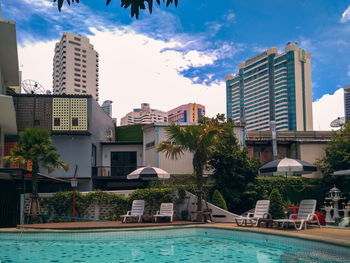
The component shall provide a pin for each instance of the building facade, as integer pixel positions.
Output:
(190, 112)
(347, 102)
(75, 66)
(144, 115)
(9, 77)
(77, 125)
(272, 86)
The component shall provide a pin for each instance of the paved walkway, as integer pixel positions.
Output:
(328, 235)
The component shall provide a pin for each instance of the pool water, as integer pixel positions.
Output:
(174, 245)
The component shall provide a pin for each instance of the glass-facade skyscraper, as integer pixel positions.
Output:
(272, 86)
(347, 102)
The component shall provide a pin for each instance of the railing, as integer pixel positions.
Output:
(113, 171)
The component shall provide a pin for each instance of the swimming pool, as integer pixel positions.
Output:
(170, 245)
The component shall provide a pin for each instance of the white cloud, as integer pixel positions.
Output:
(135, 68)
(328, 108)
(346, 15)
(35, 60)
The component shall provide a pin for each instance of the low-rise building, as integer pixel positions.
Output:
(188, 113)
(144, 115)
(77, 124)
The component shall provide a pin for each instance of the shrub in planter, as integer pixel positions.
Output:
(218, 200)
(276, 204)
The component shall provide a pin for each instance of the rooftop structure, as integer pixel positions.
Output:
(272, 86)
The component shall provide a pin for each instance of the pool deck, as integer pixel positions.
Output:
(326, 235)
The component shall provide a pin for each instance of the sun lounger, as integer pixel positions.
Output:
(137, 208)
(261, 212)
(166, 210)
(306, 215)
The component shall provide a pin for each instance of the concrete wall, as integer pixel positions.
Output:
(107, 149)
(310, 152)
(157, 134)
(100, 124)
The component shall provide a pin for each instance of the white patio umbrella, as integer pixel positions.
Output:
(148, 173)
(287, 166)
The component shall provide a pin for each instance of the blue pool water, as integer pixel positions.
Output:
(173, 245)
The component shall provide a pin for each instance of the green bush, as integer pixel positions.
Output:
(219, 200)
(276, 205)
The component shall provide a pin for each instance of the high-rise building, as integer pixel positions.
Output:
(145, 115)
(107, 107)
(75, 66)
(191, 112)
(347, 102)
(272, 86)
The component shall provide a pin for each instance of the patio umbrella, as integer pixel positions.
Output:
(149, 173)
(287, 166)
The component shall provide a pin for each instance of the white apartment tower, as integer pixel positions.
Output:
(144, 115)
(75, 66)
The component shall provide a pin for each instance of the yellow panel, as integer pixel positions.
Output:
(60, 110)
(78, 110)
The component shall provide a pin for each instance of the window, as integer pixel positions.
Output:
(77, 54)
(77, 64)
(84, 61)
(77, 59)
(78, 80)
(84, 56)
(56, 122)
(77, 49)
(84, 66)
(77, 38)
(77, 85)
(77, 75)
(84, 51)
(75, 121)
(76, 69)
(150, 145)
(77, 90)
(84, 71)
(73, 43)
(36, 122)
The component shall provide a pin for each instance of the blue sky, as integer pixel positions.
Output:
(201, 41)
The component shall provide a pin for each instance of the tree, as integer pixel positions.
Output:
(135, 5)
(276, 204)
(233, 169)
(198, 139)
(337, 153)
(218, 200)
(35, 145)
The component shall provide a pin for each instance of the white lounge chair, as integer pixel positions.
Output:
(137, 209)
(166, 210)
(306, 214)
(261, 212)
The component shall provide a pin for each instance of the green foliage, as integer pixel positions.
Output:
(61, 203)
(337, 153)
(276, 204)
(135, 5)
(218, 200)
(200, 140)
(233, 169)
(35, 145)
(129, 133)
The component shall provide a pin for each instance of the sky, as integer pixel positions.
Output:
(180, 55)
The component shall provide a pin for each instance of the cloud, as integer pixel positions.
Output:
(136, 68)
(229, 17)
(346, 15)
(328, 108)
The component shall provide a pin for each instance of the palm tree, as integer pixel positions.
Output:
(198, 139)
(35, 146)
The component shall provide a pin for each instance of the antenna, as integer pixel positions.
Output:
(338, 122)
(32, 87)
